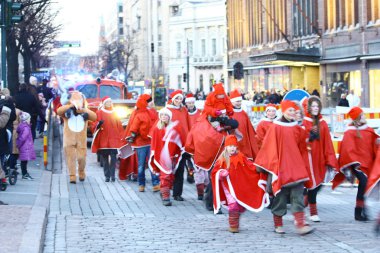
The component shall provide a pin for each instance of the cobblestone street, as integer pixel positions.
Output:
(95, 216)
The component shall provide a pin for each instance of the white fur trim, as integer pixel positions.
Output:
(191, 99)
(107, 99)
(270, 107)
(217, 194)
(106, 111)
(177, 96)
(238, 110)
(287, 124)
(236, 99)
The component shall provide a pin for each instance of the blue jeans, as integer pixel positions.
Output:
(142, 155)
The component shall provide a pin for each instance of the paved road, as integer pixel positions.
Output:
(95, 216)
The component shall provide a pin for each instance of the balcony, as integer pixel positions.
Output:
(207, 61)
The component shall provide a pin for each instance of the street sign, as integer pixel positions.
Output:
(66, 44)
(296, 94)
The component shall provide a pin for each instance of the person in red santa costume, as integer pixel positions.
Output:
(207, 147)
(137, 135)
(219, 109)
(194, 114)
(323, 162)
(237, 184)
(356, 157)
(166, 151)
(181, 115)
(248, 145)
(265, 123)
(128, 167)
(283, 155)
(107, 138)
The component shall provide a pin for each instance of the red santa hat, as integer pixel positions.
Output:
(106, 99)
(286, 104)
(141, 103)
(235, 96)
(165, 111)
(175, 94)
(219, 89)
(147, 97)
(231, 140)
(190, 98)
(355, 112)
(270, 106)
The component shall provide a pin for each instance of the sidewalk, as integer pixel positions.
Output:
(24, 219)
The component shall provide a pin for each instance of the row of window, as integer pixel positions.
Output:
(203, 47)
(255, 22)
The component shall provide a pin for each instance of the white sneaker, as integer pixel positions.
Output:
(315, 218)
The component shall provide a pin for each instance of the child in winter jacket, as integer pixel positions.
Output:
(24, 144)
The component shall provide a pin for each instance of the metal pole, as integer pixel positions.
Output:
(187, 66)
(3, 44)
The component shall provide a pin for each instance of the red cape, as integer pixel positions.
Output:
(322, 154)
(166, 148)
(261, 130)
(243, 183)
(110, 133)
(181, 115)
(248, 145)
(356, 151)
(373, 183)
(193, 116)
(284, 155)
(204, 143)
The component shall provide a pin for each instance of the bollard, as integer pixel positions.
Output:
(45, 151)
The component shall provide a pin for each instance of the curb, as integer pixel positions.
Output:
(34, 234)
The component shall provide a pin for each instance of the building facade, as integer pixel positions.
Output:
(332, 46)
(197, 31)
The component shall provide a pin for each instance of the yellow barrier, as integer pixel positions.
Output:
(45, 151)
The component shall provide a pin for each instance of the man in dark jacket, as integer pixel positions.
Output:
(48, 94)
(343, 101)
(25, 101)
(4, 119)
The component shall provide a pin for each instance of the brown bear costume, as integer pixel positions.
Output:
(75, 116)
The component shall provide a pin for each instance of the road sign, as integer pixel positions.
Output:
(296, 94)
(66, 44)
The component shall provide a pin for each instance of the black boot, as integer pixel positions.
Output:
(359, 214)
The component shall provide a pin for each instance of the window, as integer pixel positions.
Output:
(373, 10)
(159, 37)
(160, 61)
(120, 20)
(203, 49)
(175, 10)
(179, 80)
(341, 14)
(212, 80)
(178, 49)
(88, 90)
(121, 31)
(201, 82)
(305, 17)
(190, 47)
(213, 42)
(108, 90)
(120, 8)
(138, 22)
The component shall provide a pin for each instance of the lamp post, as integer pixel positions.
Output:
(187, 65)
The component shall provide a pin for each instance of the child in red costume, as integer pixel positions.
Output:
(107, 138)
(323, 162)
(357, 155)
(166, 149)
(248, 145)
(283, 155)
(219, 108)
(236, 184)
(265, 123)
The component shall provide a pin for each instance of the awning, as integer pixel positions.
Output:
(339, 60)
(370, 57)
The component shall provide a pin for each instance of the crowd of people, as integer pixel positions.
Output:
(22, 116)
(286, 159)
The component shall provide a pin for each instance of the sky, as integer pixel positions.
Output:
(81, 21)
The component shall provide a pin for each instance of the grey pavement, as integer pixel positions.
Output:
(24, 219)
(95, 216)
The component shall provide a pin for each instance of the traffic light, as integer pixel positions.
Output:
(11, 12)
(152, 47)
(184, 77)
